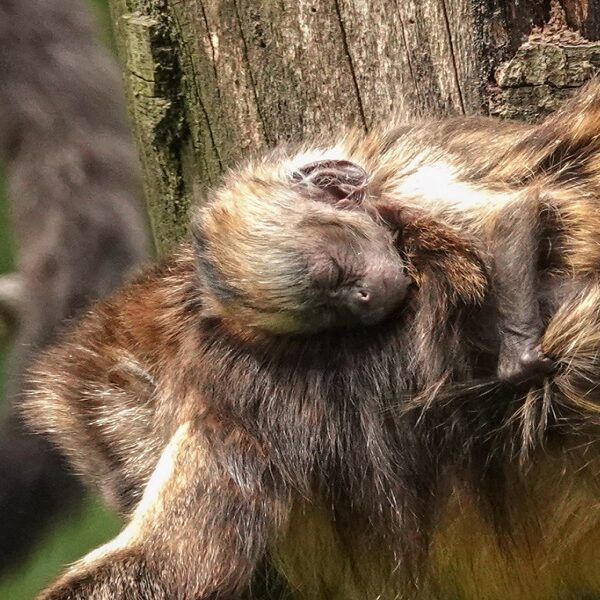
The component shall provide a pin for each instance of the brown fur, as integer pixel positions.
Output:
(378, 462)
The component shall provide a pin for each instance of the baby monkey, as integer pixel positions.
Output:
(364, 219)
(291, 247)
(325, 268)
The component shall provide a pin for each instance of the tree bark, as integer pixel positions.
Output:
(212, 81)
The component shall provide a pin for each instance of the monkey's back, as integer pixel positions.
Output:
(549, 553)
(117, 387)
(99, 393)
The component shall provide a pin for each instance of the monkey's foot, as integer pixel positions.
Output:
(523, 364)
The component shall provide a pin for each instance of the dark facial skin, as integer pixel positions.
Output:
(357, 286)
(356, 282)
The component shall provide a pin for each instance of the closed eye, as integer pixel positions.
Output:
(340, 277)
(329, 275)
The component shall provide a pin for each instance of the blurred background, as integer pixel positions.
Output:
(84, 524)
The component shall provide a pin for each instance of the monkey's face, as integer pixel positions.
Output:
(354, 275)
(274, 259)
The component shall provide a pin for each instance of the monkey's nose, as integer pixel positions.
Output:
(374, 298)
(363, 297)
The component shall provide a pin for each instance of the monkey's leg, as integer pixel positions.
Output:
(197, 532)
(515, 250)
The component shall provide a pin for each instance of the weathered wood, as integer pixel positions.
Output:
(212, 81)
(551, 62)
(153, 80)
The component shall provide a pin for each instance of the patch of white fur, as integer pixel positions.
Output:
(149, 505)
(438, 186)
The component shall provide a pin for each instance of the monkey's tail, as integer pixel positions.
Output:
(568, 140)
(575, 126)
(566, 143)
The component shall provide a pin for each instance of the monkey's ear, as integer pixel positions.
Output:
(343, 182)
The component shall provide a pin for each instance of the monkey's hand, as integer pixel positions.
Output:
(522, 360)
(196, 534)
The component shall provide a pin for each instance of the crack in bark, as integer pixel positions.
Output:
(201, 104)
(138, 76)
(250, 75)
(351, 65)
(453, 56)
(184, 45)
(408, 58)
(212, 47)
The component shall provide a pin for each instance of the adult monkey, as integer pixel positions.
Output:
(230, 445)
(73, 191)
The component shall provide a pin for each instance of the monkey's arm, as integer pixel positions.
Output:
(197, 533)
(515, 255)
(514, 249)
(437, 250)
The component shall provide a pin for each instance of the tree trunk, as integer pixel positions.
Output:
(211, 81)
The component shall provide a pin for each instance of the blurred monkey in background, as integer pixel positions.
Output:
(73, 191)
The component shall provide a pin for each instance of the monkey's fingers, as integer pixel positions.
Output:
(194, 535)
(524, 365)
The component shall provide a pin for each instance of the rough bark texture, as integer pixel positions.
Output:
(211, 81)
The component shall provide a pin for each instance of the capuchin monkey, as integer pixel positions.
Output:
(405, 176)
(310, 388)
(73, 193)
